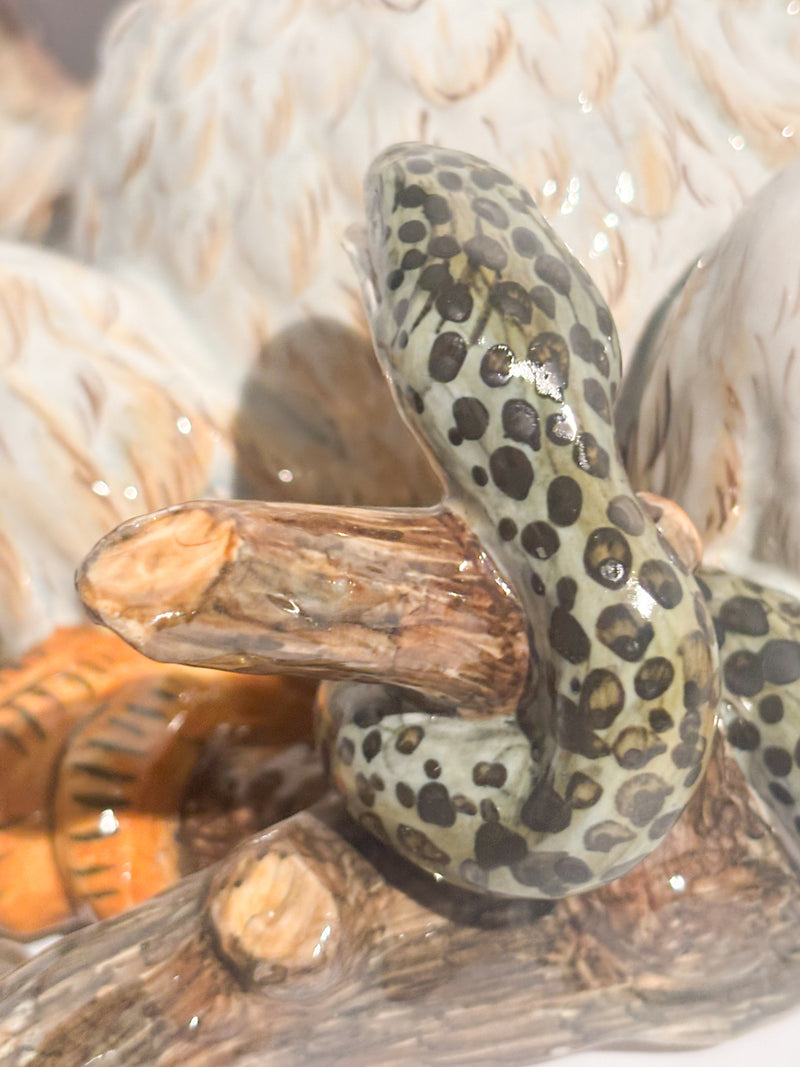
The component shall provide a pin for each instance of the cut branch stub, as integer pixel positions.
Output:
(407, 597)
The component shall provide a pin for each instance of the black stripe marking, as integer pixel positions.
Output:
(114, 746)
(13, 740)
(146, 711)
(123, 724)
(166, 694)
(101, 801)
(28, 719)
(105, 774)
(87, 872)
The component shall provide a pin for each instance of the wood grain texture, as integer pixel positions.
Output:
(404, 596)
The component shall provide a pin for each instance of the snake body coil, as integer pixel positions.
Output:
(504, 356)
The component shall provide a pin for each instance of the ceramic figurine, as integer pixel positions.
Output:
(317, 590)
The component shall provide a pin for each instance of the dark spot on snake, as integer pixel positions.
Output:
(402, 339)
(660, 720)
(626, 634)
(413, 259)
(566, 591)
(521, 423)
(479, 476)
(448, 179)
(409, 739)
(781, 793)
(625, 513)
(434, 805)
(434, 277)
(606, 835)
(377, 783)
(417, 844)
(454, 302)
(444, 246)
(602, 698)
(454, 437)
(743, 735)
(436, 209)
(604, 321)
(635, 746)
(471, 417)
(511, 471)
(415, 400)
(707, 594)
(411, 232)
(545, 811)
(526, 242)
(777, 761)
(539, 539)
(495, 846)
(394, 280)
(607, 557)
(549, 358)
(372, 822)
(367, 716)
(364, 791)
(600, 360)
(346, 751)
(544, 300)
(641, 798)
(583, 791)
(411, 196)
(581, 342)
(400, 309)
(661, 582)
(770, 709)
(496, 366)
(463, 805)
(419, 165)
(590, 456)
(742, 673)
(489, 774)
(653, 678)
(447, 356)
(780, 662)
(371, 745)
(405, 794)
(537, 585)
(484, 251)
(553, 272)
(512, 301)
(559, 429)
(432, 768)
(595, 396)
(490, 211)
(663, 824)
(573, 733)
(507, 529)
(573, 870)
(488, 810)
(564, 500)
(567, 637)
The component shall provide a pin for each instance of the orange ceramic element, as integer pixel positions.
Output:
(97, 743)
(121, 781)
(41, 699)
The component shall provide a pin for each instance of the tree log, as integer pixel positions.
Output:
(404, 596)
